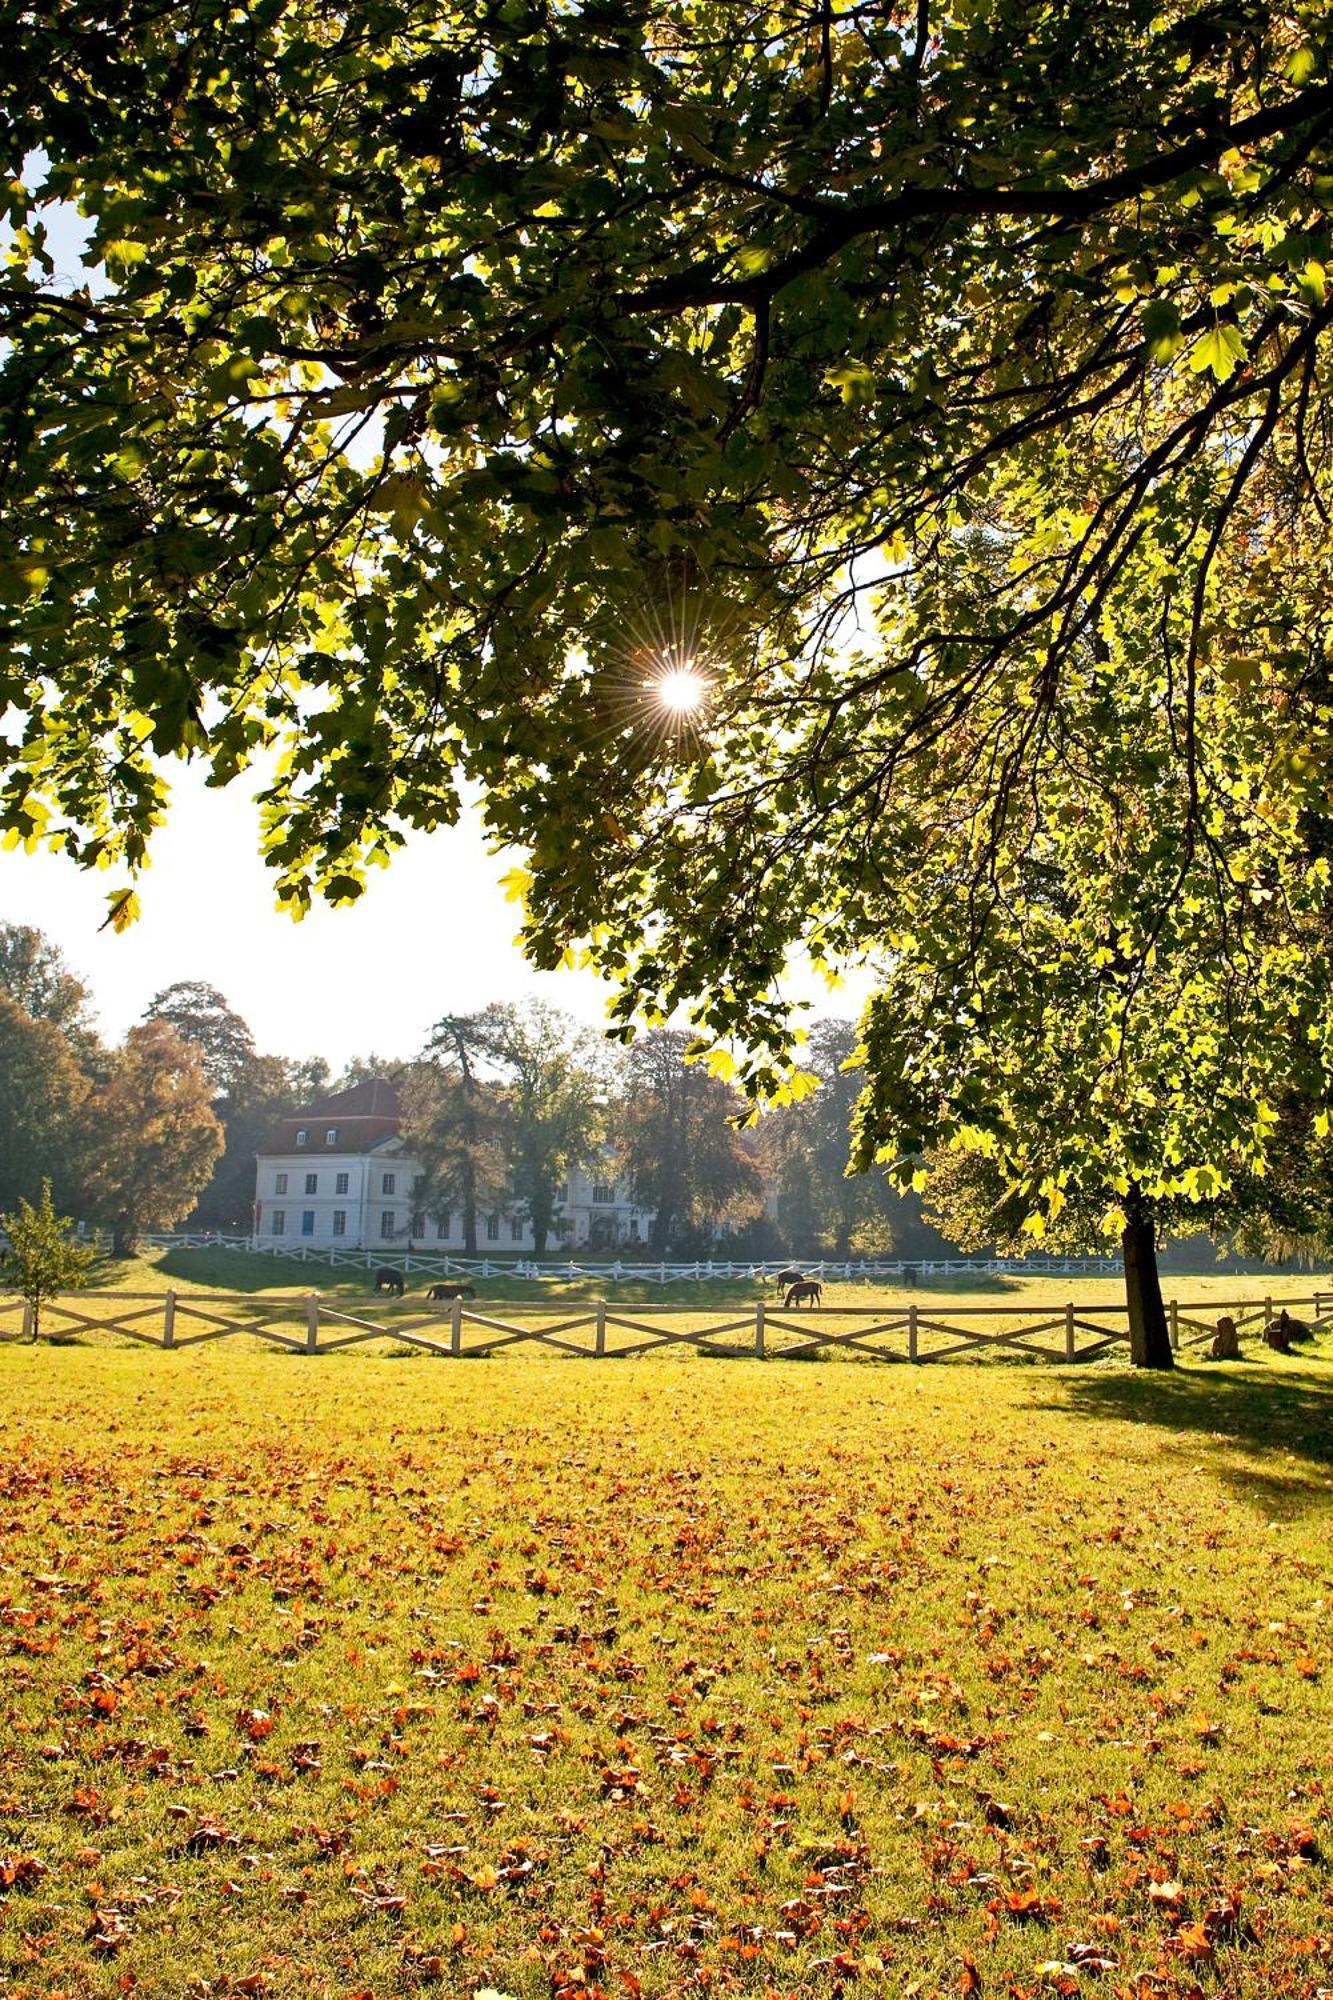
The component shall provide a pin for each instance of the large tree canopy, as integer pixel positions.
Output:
(947, 384)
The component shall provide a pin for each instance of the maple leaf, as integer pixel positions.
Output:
(1192, 1943)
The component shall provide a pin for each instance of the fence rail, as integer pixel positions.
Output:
(909, 1333)
(444, 1264)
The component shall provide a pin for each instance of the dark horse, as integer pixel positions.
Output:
(791, 1277)
(389, 1280)
(452, 1292)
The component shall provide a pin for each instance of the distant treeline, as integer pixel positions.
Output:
(498, 1106)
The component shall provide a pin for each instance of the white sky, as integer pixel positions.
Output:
(432, 934)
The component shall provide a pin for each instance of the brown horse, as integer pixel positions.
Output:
(805, 1288)
(452, 1292)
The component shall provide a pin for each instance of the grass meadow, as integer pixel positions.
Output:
(349, 1676)
(282, 1280)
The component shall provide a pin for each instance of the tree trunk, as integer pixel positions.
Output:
(1149, 1337)
(659, 1236)
(122, 1239)
(469, 1208)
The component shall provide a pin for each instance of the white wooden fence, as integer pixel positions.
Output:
(913, 1333)
(445, 1264)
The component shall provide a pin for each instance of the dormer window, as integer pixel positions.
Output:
(302, 1136)
(331, 1136)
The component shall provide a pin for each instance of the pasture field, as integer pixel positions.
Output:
(233, 1272)
(348, 1677)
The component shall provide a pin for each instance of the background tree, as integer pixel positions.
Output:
(455, 1122)
(307, 1077)
(672, 1125)
(263, 1096)
(203, 1017)
(43, 1093)
(807, 1148)
(34, 972)
(153, 1136)
(373, 1068)
(250, 1093)
(41, 1257)
(554, 1075)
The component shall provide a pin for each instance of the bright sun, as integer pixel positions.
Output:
(680, 690)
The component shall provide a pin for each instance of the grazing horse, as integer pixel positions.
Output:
(804, 1288)
(452, 1292)
(389, 1280)
(788, 1278)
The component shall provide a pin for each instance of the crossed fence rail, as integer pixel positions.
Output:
(909, 1333)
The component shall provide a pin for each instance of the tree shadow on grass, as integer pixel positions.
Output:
(1271, 1414)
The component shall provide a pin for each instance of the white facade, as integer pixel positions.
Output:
(337, 1177)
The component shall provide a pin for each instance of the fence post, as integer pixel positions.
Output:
(911, 1333)
(1174, 1310)
(599, 1342)
(29, 1317)
(169, 1320)
(312, 1323)
(759, 1331)
(1069, 1331)
(1268, 1312)
(456, 1327)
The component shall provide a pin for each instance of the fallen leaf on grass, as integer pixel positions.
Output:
(20, 1871)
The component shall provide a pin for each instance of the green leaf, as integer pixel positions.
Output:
(1312, 283)
(854, 379)
(1218, 351)
(1161, 330)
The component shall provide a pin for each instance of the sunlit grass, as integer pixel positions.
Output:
(334, 1677)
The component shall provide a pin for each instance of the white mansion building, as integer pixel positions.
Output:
(337, 1176)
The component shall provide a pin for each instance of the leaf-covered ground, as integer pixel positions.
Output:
(361, 1677)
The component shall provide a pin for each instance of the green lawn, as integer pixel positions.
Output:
(235, 1272)
(279, 1289)
(721, 1308)
(347, 1677)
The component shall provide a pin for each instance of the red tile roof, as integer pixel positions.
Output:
(362, 1118)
